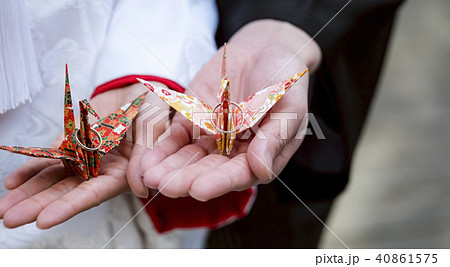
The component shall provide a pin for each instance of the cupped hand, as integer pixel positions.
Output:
(260, 54)
(43, 191)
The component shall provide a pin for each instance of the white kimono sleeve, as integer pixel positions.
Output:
(169, 39)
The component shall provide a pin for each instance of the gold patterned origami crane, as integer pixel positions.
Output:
(227, 118)
(83, 149)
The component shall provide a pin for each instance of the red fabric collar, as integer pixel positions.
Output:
(131, 79)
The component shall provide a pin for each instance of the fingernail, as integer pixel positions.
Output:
(146, 190)
(196, 198)
(268, 164)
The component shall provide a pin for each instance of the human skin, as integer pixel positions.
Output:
(259, 54)
(42, 190)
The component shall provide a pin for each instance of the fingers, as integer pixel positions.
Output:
(86, 195)
(205, 178)
(276, 140)
(178, 138)
(28, 170)
(41, 181)
(262, 151)
(232, 175)
(178, 181)
(28, 210)
(134, 176)
(188, 154)
(50, 201)
(269, 155)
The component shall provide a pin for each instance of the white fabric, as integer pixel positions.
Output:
(16, 48)
(97, 48)
(179, 40)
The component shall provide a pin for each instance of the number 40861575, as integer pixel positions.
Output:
(407, 258)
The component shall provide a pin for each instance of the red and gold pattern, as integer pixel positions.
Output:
(257, 105)
(76, 158)
(229, 118)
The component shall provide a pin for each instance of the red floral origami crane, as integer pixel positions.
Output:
(82, 149)
(227, 118)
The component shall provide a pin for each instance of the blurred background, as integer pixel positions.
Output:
(399, 191)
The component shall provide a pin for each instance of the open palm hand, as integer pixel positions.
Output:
(43, 191)
(183, 165)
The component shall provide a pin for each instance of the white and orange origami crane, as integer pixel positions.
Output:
(227, 118)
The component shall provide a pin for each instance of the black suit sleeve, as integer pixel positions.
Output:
(353, 45)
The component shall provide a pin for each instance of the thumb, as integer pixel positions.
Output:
(274, 144)
(264, 148)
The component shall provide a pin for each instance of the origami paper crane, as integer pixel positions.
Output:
(227, 118)
(83, 149)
